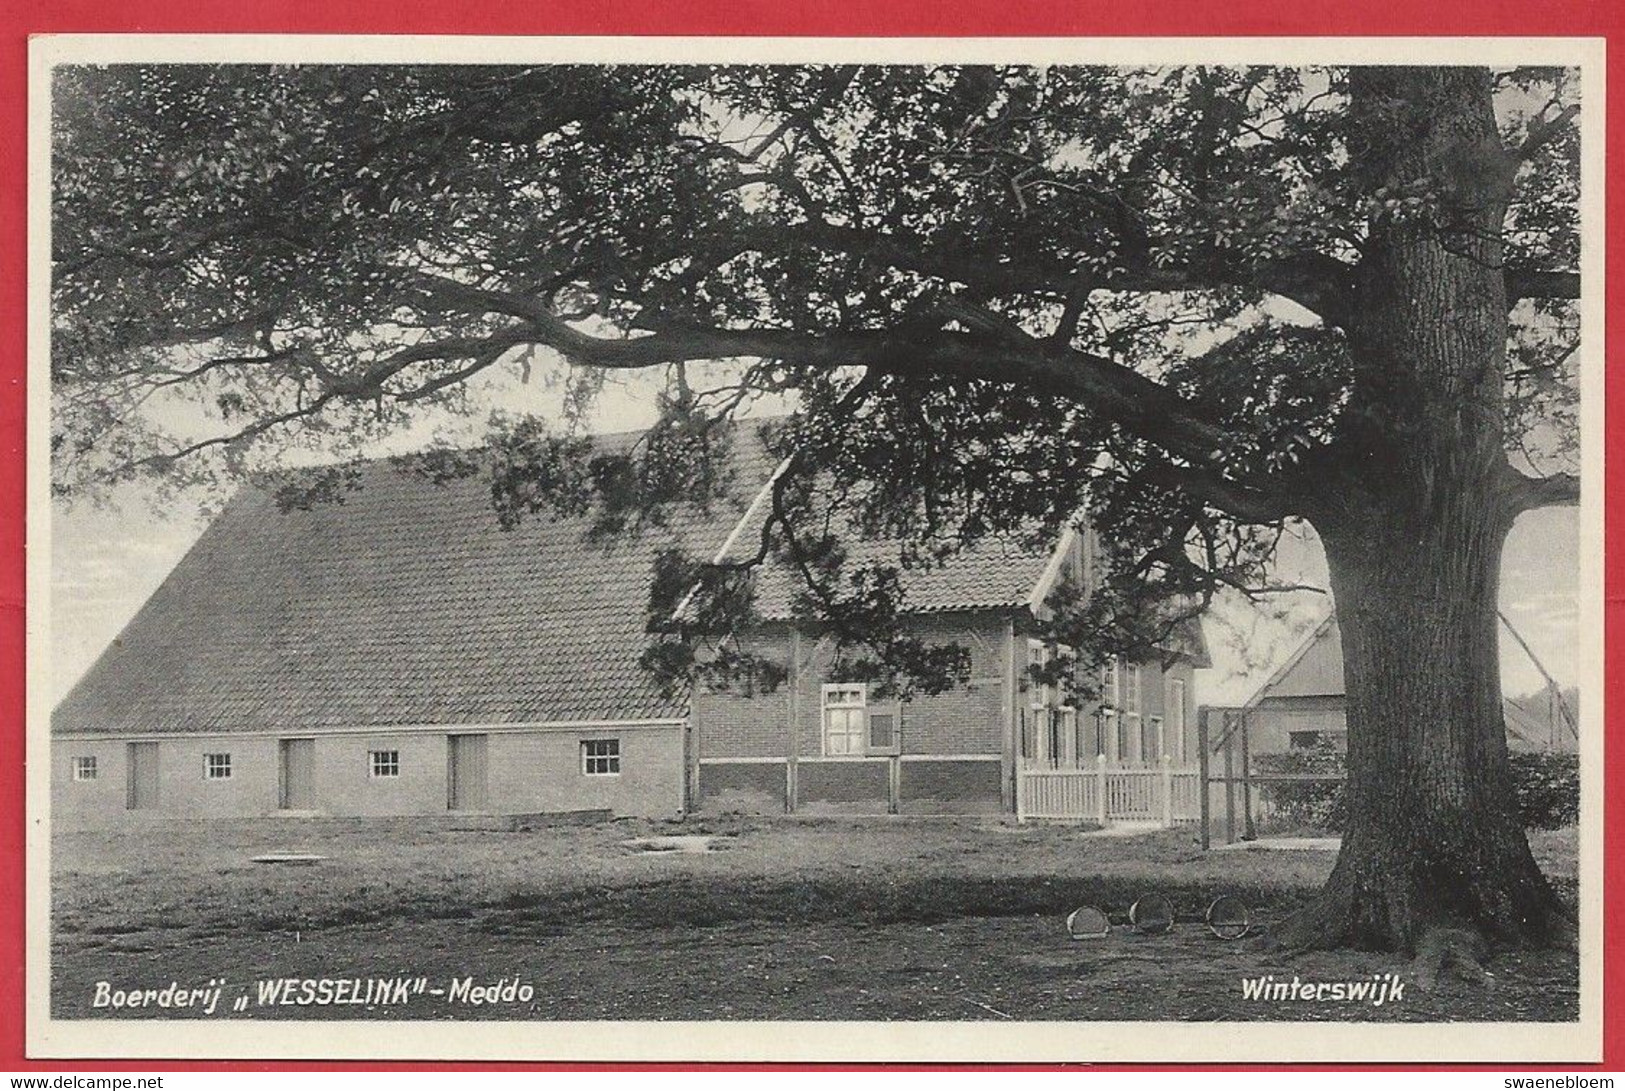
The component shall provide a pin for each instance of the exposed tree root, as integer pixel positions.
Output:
(1451, 949)
(1443, 947)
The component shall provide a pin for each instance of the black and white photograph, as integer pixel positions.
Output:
(816, 550)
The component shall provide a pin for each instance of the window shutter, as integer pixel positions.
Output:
(884, 736)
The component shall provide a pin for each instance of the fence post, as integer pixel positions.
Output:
(1167, 792)
(1250, 831)
(1100, 786)
(1229, 782)
(1021, 767)
(1204, 800)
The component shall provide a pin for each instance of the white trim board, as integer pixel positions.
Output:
(386, 729)
(853, 757)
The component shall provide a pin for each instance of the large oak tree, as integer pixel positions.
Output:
(1198, 302)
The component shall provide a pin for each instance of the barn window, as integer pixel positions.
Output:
(84, 768)
(601, 757)
(217, 767)
(1303, 740)
(845, 705)
(384, 763)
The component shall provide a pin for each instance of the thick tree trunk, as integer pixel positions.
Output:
(1413, 510)
(1432, 842)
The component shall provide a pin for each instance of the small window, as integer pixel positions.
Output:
(1303, 740)
(1066, 655)
(845, 708)
(1131, 740)
(1131, 689)
(1037, 659)
(84, 768)
(384, 763)
(217, 767)
(1174, 718)
(601, 757)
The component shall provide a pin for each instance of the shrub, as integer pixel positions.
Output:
(1547, 787)
(1304, 804)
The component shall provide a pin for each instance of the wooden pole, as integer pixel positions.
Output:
(1251, 833)
(1167, 792)
(1100, 785)
(1202, 764)
(1021, 766)
(792, 786)
(1229, 783)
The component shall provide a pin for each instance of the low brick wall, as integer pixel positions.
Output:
(951, 787)
(958, 785)
(847, 786)
(741, 788)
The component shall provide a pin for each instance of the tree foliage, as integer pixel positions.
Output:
(997, 295)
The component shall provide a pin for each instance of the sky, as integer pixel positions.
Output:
(107, 560)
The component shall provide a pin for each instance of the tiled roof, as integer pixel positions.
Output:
(994, 574)
(406, 603)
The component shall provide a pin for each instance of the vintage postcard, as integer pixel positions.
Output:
(779, 550)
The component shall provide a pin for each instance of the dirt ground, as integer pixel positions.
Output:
(941, 919)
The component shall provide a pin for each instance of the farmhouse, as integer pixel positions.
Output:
(396, 651)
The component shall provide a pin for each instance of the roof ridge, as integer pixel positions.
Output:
(477, 447)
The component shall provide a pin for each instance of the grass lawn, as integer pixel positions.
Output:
(940, 919)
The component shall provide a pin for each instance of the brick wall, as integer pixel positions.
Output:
(852, 786)
(843, 786)
(969, 719)
(741, 788)
(747, 725)
(950, 787)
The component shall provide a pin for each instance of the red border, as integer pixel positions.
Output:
(899, 18)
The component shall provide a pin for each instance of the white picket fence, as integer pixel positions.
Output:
(1148, 792)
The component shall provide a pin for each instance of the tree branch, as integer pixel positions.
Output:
(1528, 493)
(1314, 281)
(1542, 131)
(917, 350)
(1523, 283)
(1246, 502)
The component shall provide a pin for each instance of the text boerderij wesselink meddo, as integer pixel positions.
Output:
(312, 992)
